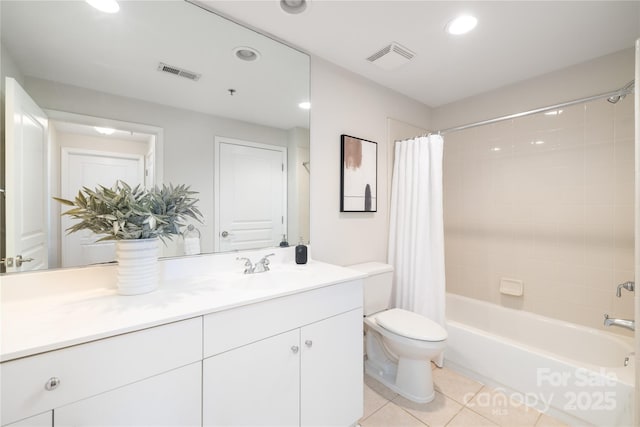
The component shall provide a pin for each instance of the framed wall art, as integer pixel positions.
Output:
(358, 175)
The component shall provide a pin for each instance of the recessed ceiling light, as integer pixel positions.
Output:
(293, 6)
(461, 25)
(537, 142)
(104, 131)
(247, 54)
(305, 105)
(107, 6)
(495, 149)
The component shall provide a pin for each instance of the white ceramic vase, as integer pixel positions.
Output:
(137, 265)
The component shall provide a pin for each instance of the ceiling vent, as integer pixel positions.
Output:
(391, 56)
(179, 71)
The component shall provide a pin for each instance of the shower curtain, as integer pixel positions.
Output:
(416, 231)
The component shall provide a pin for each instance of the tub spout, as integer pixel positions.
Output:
(624, 323)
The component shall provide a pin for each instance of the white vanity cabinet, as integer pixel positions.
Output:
(289, 361)
(101, 370)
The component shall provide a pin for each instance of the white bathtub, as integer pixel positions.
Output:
(571, 372)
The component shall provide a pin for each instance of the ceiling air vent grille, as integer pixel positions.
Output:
(179, 71)
(391, 56)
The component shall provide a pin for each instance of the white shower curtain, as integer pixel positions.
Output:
(416, 232)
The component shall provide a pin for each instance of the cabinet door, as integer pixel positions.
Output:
(331, 371)
(169, 399)
(254, 385)
(42, 420)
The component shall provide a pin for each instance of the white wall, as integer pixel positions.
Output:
(600, 75)
(343, 103)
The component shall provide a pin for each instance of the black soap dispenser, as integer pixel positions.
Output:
(301, 253)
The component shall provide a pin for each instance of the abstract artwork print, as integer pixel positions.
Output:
(359, 175)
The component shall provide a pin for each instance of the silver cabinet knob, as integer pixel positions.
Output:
(52, 383)
(295, 348)
(308, 343)
(225, 234)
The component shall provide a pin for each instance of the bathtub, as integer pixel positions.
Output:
(574, 373)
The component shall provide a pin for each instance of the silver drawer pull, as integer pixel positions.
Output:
(308, 343)
(294, 348)
(52, 384)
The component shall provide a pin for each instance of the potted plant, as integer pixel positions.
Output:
(136, 218)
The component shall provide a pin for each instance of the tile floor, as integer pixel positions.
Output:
(459, 402)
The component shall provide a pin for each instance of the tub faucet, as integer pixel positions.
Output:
(624, 323)
(630, 286)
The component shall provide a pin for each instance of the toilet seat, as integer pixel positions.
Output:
(410, 325)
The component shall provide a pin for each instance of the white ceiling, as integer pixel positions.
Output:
(514, 40)
(70, 42)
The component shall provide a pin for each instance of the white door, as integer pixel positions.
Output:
(331, 371)
(251, 195)
(26, 141)
(84, 168)
(254, 385)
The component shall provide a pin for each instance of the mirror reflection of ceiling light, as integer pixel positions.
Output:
(293, 6)
(104, 131)
(247, 54)
(461, 25)
(305, 105)
(106, 6)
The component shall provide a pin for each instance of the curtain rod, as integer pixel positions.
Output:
(619, 93)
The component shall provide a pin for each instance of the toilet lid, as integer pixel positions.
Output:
(411, 325)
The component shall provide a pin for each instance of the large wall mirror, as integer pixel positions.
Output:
(159, 92)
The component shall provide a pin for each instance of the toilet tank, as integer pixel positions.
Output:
(377, 286)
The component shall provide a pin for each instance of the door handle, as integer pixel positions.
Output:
(20, 260)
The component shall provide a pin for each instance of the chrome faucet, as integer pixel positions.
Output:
(248, 265)
(264, 263)
(624, 323)
(630, 286)
(259, 267)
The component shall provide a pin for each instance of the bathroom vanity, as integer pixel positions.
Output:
(211, 347)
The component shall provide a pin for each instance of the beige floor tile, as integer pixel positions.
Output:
(453, 385)
(547, 421)
(502, 410)
(391, 415)
(373, 401)
(380, 388)
(435, 413)
(468, 418)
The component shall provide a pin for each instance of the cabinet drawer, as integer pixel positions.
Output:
(88, 369)
(229, 329)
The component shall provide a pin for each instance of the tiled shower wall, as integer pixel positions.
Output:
(547, 199)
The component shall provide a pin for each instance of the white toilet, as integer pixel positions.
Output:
(399, 344)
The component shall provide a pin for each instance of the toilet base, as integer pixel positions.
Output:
(411, 379)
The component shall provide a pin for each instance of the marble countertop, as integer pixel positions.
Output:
(64, 314)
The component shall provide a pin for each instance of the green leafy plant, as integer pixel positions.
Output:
(125, 213)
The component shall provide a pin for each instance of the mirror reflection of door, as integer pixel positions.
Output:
(86, 168)
(251, 195)
(26, 161)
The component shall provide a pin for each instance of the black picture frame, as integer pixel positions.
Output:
(358, 174)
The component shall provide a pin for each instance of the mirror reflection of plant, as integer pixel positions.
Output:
(125, 213)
